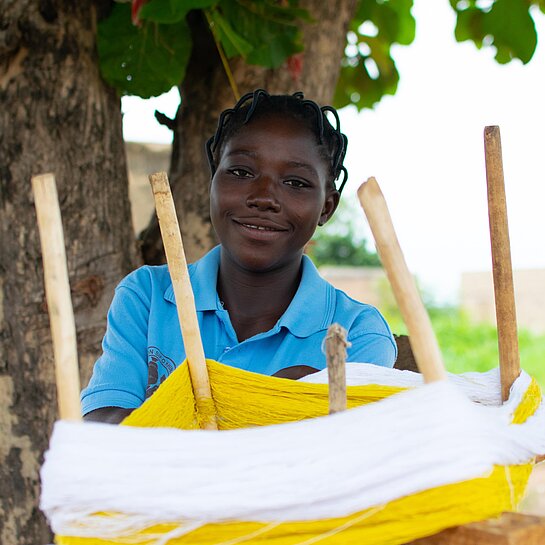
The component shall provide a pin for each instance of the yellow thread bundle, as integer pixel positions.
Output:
(393, 524)
(244, 399)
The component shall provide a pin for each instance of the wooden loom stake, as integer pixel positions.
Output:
(504, 292)
(422, 338)
(185, 301)
(57, 290)
(335, 348)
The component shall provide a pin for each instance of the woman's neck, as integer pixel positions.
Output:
(256, 301)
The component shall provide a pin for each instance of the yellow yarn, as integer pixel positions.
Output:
(529, 403)
(398, 522)
(245, 399)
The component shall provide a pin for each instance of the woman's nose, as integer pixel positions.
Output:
(262, 195)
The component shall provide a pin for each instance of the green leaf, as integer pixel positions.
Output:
(171, 11)
(274, 11)
(339, 242)
(233, 43)
(357, 87)
(146, 61)
(271, 30)
(469, 26)
(395, 24)
(513, 28)
(507, 25)
(393, 19)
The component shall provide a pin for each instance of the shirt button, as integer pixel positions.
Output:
(227, 348)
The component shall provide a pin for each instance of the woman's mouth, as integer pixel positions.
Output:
(259, 227)
(262, 230)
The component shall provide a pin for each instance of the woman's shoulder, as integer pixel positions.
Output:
(340, 307)
(360, 312)
(150, 280)
(147, 279)
(348, 302)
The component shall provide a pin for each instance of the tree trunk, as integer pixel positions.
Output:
(206, 92)
(58, 117)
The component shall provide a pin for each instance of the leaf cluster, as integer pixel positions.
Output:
(368, 69)
(263, 33)
(339, 242)
(151, 58)
(507, 25)
(467, 345)
(341, 249)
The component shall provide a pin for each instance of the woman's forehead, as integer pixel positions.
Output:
(278, 127)
(285, 146)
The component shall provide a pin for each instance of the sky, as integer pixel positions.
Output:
(424, 145)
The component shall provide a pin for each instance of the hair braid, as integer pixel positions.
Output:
(331, 140)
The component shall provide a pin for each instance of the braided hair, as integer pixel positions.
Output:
(331, 141)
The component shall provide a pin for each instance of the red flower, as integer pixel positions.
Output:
(135, 10)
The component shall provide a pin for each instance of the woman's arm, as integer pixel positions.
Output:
(120, 375)
(108, 415)
(295, 372)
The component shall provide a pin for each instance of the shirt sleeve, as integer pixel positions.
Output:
(371, 340)
(120, 375)
(373, 348)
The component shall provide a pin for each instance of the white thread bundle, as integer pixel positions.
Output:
(413, 441)
(483, 388)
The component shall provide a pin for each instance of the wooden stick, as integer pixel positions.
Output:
(185, 302)
(422, 338)
(504, 292)
(335, 349)
(59, 302)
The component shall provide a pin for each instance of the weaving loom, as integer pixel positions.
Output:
(407, 460)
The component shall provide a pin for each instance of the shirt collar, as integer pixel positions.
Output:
(313, 306)
(204, 276)
(311, 309)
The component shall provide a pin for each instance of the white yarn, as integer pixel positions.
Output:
(479, 387)
(320, 468)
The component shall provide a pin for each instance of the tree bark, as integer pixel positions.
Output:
(205, 93)
(58, 117)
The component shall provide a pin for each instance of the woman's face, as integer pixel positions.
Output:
(269, 193)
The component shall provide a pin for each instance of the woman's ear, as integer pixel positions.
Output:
(330, 205)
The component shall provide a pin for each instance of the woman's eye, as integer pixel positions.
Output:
(240, 172)
(296, 183)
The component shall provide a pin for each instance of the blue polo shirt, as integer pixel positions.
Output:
(143, 342)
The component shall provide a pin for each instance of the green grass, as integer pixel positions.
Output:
(469, 346)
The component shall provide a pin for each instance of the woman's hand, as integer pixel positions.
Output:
(295, 372)
(108, 415)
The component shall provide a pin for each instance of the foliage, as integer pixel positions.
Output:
(264, 33)
(338, 249)
(505, 24)
(150, 57)
(469, 346)
(368, 70)
(339, 243)
(143, 61)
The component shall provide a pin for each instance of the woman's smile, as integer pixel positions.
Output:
(260, 229)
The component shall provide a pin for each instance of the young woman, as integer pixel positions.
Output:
(261, 303)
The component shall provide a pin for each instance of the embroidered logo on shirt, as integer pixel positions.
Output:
(159, 368)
